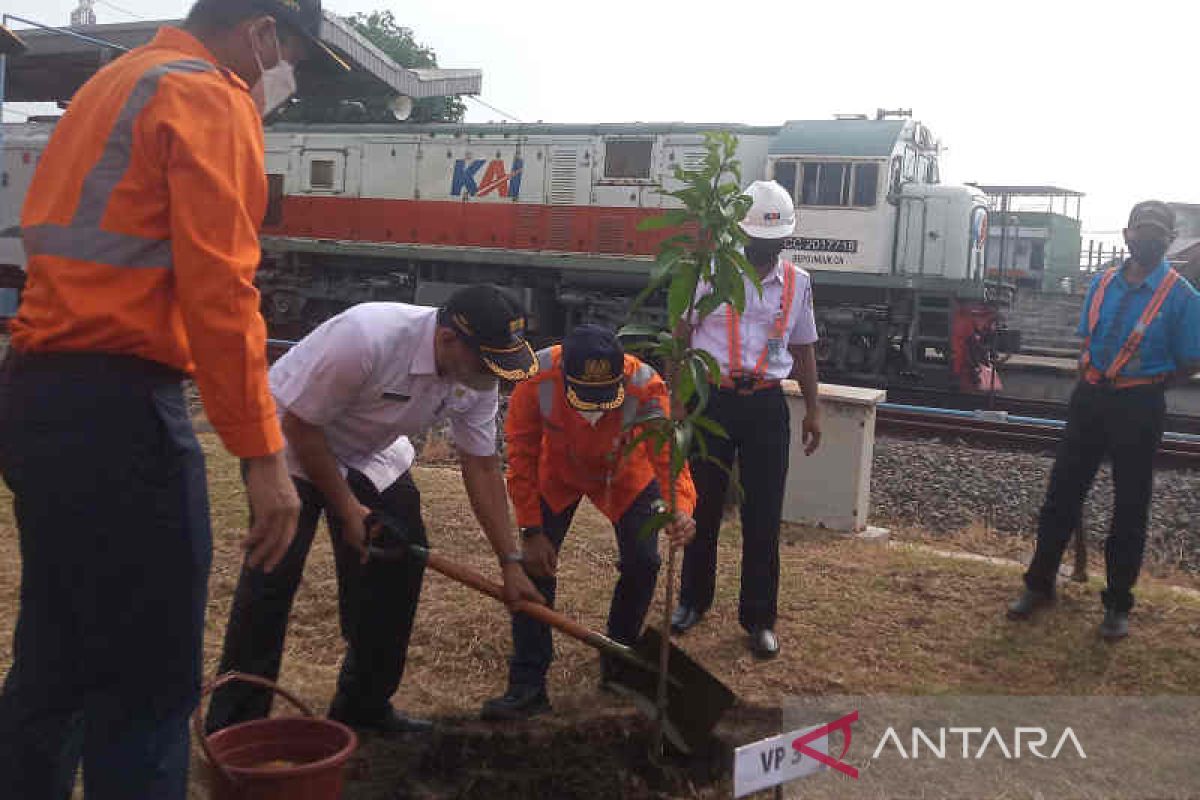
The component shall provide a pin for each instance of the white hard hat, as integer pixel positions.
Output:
(772, 214)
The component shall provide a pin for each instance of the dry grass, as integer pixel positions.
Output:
(854, 618)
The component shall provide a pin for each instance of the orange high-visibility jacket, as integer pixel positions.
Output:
(555, 454)
(141, 231)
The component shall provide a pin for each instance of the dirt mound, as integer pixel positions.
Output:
(601, 756)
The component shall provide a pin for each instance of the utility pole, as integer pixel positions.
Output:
(85, 14)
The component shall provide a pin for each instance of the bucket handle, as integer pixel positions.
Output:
(222, 680)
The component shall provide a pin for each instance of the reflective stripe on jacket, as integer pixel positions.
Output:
(557, 455)
(141, 231)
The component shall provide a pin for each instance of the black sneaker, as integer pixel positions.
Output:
(519, 702)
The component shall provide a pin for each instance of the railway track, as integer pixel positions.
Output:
(1020, 406)
(1178, 452)
(899, 416)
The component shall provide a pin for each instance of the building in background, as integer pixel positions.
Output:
(1185, 250)
(1034, 236)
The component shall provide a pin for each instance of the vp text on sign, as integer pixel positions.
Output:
(773, 761)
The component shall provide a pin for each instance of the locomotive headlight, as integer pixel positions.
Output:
(401, 107)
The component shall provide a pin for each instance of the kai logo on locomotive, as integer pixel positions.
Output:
(496, 177)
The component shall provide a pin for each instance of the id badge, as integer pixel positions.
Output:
(775, 351)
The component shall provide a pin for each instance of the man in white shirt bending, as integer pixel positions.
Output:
(350, 393)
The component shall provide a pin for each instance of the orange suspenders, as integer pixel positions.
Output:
(734, 327)
(1130, 348)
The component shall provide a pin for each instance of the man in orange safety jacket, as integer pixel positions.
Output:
(141, 232)
(568, 432)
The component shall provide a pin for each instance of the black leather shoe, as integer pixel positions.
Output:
(519, 702)
(684, 619)
(764, 644)
(1115, 625)
(1029, 602)
(390, 723)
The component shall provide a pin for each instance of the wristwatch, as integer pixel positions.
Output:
(515, 557)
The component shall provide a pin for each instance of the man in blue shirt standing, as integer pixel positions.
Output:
(1141, 329)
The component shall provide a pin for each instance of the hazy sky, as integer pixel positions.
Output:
(1094, 96)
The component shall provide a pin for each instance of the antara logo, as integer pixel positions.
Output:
(495, 178)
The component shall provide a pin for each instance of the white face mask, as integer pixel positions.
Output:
(591, 416)
(275, 85)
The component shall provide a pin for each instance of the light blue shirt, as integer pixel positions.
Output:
(1171, 341)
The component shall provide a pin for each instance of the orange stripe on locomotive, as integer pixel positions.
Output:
(576, 229)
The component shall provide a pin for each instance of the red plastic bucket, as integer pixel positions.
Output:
(283, 758)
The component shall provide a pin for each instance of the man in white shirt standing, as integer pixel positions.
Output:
(350, 393)
(771, 340)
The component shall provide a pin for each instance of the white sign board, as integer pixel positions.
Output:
(773, 761)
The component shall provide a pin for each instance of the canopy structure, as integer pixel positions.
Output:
(57, 61)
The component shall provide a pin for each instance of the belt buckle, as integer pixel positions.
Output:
(744, 384)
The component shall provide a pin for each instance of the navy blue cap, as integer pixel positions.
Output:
(492, 322)
(593, 364)
(304, 17)
(1155, 214)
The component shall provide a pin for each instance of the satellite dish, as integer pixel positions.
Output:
(401, 107)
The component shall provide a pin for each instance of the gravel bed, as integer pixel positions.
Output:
(943, 488)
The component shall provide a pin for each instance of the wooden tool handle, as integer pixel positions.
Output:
(541, 613)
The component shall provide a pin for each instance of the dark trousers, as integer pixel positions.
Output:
(376, 605)
(1126, 425)
(759, 431)
(533, 649)
(111, 502)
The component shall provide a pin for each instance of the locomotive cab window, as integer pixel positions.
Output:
(839, 184)
(785, 175)
(628, 159)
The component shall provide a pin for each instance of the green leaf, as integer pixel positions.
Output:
(685, 387)
(697, 374)
(655, 434)
(680, 447)
(655, 524)
(668, 219)
(633, 331)
(683, 289)
(708, 304)
(709, 426)
(714, 368)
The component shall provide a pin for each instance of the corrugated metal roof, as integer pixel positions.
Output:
(847, 138)
(56, 64)
(531, 128)
(10, 43)
(996, 190)
(417, 83)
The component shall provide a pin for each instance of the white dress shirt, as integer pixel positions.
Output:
(369, 379)
(758, 324)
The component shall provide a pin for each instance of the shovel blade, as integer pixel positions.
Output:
(696, 699)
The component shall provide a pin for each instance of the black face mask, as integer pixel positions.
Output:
(760, 252)
(1148, 252)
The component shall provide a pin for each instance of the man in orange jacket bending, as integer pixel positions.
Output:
(568, 431)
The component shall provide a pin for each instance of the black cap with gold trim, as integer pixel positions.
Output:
(304, 17)
(493, 324)
(593, 364)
